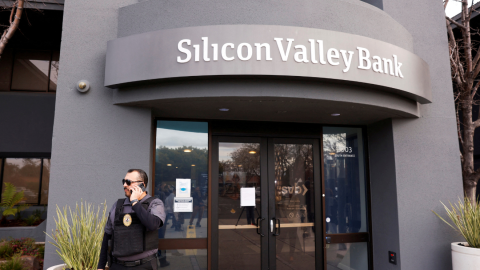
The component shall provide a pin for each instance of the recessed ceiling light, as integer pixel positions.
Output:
(169, 165)
(252, 152)
(193, 165)
(224, 109)
(335, 114)
(187, 150)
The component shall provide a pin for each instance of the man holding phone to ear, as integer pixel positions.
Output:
(133, 225)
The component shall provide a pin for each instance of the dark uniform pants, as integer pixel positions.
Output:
(151, 265)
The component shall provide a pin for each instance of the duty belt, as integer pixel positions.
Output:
(134, 263)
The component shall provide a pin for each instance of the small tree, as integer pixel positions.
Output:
(15, 16)
(465, 68)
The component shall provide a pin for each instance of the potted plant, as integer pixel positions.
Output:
(78, 242)
(465, 218)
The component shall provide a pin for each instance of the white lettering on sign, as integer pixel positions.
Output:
(301, 54)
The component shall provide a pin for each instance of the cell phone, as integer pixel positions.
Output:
(142, 186)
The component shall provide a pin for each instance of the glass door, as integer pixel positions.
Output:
(292, 235)
(241, 204)
(266, 204)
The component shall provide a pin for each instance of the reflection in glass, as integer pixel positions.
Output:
(239, 243)
(185, 259)
(347, 256)
(54, 65)
(30, 70)
(24, 174)
(345, 198)
(182, 153)
(294, 206)
(6, 70)
(45, 181)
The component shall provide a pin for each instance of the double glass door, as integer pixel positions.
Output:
(266, 203)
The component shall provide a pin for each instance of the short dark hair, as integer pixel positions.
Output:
(143, 175)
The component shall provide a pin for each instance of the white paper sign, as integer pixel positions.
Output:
(182, 204)
(183, 187)
(247, 196)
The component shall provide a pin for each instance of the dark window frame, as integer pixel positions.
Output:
(2, 171)
(12, 65)
(365, 237)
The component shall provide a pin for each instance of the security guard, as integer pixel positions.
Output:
(133, 225)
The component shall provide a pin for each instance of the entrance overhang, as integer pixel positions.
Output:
(244, 51)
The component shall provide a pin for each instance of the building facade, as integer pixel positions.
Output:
(280, 135)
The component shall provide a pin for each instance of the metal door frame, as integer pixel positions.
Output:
(317, 173)
(264, 194)
(267, 175)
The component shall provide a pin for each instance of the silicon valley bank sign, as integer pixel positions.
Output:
(244, 52)
(266, 50)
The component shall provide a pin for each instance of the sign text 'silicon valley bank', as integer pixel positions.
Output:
(313, 53)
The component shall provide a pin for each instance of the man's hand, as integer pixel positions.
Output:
(136, 193)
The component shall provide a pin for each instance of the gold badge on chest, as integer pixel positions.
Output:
(127, 220)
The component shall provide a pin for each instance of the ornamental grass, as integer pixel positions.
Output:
(79, 241)
(465, 218)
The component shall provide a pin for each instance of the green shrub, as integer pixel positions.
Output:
(10, 199)
(6, 250)
(32, 219)
(15, 263)
(465, 219)
(38, 214)
(24, 246)
(41, 252)
(79, 241)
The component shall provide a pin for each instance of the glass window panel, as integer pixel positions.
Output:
(24, 174)
(45, 181)
(54, 65)
(183, 259)
(347, 256)
(30, 70)
(294, 206)
(182, 153)
(6, 70)
(345, 188)
(239, 167)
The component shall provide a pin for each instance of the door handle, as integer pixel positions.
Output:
(277, 230)
(259, 226)
(273, 222)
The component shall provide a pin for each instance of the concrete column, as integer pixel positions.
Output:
(94, 142)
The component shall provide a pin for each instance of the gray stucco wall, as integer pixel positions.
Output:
(35, 232)
(94, 142)
(426, 149)
(383, 187)
(29, 118)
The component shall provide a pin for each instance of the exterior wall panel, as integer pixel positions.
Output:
(426, 150)
(27, 119)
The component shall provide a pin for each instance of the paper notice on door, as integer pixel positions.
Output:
(247, 196)
(183, 187)
(181, 205)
